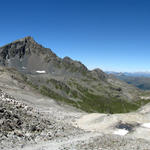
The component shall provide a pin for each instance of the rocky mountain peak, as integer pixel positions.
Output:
(27, 38)
(28, 56)
(74, 63)
(13, 53)
(99, 73)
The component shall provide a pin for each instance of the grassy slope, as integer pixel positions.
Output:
(93, 103)
(88, 101)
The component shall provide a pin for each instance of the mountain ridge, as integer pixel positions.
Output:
(67, 80)
(134, 74)
(140, 80)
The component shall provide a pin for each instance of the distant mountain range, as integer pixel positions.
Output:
(132, 74)
(139, 79)
(66, 80)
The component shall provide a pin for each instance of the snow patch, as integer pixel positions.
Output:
(146, 125)
(24, 67)
(42, 71)
(121, 132)
(145, 97)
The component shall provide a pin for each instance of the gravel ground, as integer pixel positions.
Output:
(108, 142)
(21, 125)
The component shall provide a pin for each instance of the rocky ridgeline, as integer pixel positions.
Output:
(21, 125)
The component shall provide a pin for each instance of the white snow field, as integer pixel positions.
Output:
(121, 132)
(146, 125)
(41, 71)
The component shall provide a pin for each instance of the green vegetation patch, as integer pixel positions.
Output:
(59, 85)
(90, 102)
(48, 92)
(96, 103)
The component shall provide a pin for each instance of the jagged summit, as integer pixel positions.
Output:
(28, 56)
(24, 39)
(25, 54)
(27, 38)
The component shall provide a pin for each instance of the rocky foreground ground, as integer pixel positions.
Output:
(23, 127)
(109, 142)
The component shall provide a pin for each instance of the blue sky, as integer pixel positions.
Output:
(109, 34)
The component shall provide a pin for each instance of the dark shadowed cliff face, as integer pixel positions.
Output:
(28, 56)
(67, 80)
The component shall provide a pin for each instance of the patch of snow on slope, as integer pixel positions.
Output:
(146, 125)
(121, 132)
(42, 71)
(24, 67)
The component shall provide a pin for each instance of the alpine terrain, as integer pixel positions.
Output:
(51, 103)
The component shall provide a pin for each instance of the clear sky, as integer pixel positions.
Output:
(109, 34)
